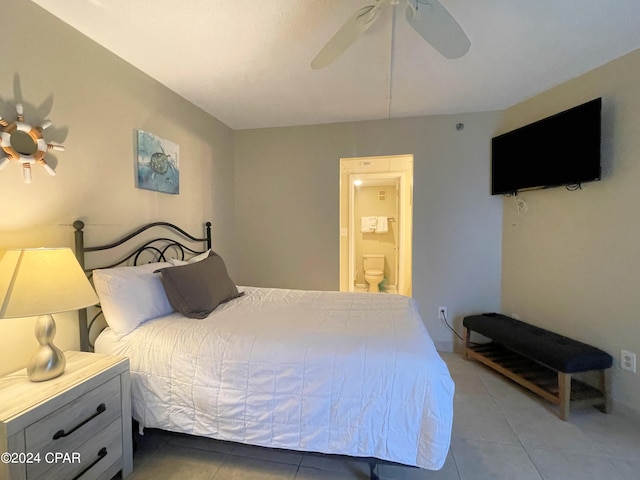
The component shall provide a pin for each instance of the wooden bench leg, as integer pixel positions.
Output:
(467, 342)
(605, 387)
(564, 394)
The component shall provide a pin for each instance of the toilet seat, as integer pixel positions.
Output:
(374, 272)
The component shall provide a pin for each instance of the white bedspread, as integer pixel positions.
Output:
(348, 373)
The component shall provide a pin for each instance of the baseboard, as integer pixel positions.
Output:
(443, 346)
(625, 410)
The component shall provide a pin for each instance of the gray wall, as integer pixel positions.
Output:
(287, 208)
(570, 263)
(96, 102)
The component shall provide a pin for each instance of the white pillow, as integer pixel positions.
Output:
(176, 262)
(131, 295)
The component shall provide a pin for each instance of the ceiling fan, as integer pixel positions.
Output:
(427, 17)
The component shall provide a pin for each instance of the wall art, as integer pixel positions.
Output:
(158, 165)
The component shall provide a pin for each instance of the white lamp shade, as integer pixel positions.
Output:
(38, 281)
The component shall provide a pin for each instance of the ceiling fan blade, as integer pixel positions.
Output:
(347, 34)
(436, 25)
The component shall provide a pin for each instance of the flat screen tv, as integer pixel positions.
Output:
(563, 149)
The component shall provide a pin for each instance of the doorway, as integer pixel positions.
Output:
(378, 190)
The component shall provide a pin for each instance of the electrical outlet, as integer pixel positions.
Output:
(628, 361)
(442, 313)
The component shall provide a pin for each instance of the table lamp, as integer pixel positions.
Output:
(40, 282)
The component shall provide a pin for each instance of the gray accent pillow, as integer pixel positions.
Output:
(196, 289)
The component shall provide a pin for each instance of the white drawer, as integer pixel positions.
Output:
(88, 461)
(75, 424)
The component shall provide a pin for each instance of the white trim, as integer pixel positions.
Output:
(352, 242)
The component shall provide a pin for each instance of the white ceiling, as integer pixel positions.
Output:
(246, 62)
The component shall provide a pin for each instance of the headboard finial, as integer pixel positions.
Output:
(78, 224)
(208, 233)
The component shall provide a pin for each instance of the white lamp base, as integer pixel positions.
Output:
(48, 362)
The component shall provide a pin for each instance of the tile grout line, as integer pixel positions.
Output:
(455, 463)
(524, 448)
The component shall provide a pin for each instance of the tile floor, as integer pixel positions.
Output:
(500, 432)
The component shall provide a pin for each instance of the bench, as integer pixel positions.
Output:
(540, 360)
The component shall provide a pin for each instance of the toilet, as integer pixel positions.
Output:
(373, 270)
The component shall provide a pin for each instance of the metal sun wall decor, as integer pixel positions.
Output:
(158, 167)
(24, 144)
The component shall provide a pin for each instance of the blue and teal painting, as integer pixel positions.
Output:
(158, 167)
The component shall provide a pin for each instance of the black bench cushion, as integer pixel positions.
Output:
(555, 351)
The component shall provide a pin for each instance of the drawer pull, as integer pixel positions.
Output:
(61, 433)
(101, 454)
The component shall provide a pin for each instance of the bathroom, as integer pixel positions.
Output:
(376, 201)
(376, 219)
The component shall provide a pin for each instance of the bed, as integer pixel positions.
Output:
(337, 373)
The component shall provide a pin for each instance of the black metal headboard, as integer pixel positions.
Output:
(153, 249)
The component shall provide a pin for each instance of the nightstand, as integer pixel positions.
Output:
(76, 426)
